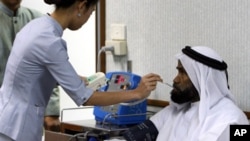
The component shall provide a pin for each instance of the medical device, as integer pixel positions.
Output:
(165, 83)
(145, 131)
(131, 112)
(96, 81)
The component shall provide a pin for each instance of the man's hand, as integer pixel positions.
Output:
(52, 123)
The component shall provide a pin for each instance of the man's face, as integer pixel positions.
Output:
(184, 90)
(12, 4)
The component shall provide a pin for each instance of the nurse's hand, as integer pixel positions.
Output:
(147, 84)
(84, 79)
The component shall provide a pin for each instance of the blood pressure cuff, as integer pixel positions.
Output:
(145, 131)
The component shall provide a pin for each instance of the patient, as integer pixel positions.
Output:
(201, 107)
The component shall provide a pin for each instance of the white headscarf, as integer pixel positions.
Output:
(210, 83)
(208, 119)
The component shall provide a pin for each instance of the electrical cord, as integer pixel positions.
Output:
(105, 118)
(103, 49)
(78, 135)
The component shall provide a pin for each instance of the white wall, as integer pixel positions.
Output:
(81, 50)
(158, 29)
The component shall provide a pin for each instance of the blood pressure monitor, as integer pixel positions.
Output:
(131, 112)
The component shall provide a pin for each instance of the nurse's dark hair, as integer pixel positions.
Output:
(68, 3)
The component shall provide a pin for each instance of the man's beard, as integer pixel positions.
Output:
(182, 96)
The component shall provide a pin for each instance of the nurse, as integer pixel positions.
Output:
(38, 61)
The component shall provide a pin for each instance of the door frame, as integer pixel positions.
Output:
(101, 34)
